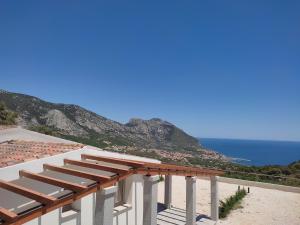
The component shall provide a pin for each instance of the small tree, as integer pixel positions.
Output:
(7, 117)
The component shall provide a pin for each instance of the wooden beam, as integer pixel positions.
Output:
(169, 169)
(138, 164)
(118, 178)
(73, 172)
(37, 196)
(48, 208)
(95, 166)
(62, 202)
(53, 181)
(180, 168)
(7, 215)
(113, 160)
(158, 171)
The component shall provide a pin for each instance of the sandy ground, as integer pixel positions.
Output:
(260, 207)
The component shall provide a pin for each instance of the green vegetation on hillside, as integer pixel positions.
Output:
(7, 117)
(284, 175)
(44, 130)
(101, 141)
(94, 139)
(231, 203)
(90, 127)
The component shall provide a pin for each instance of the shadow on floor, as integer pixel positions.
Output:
(177, 216)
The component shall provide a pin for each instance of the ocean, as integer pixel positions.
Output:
(255, 152)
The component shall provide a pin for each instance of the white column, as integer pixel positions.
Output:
(105, 201)
(36, 221)
(168, 191)
(190, 200)
(50, 218)
(150, 200)
(214, 197)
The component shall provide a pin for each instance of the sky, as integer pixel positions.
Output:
(225, 69)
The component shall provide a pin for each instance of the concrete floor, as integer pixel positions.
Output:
(176, 216)
(19, 133)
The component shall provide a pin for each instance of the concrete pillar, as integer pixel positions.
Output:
(190, 200)
(168, 191)
(214, 197)
(50, 218)
(105, 201)
(150, 200)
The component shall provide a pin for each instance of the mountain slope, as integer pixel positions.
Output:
(75, 121)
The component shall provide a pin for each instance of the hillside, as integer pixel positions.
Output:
(77, 123)
(153, 138)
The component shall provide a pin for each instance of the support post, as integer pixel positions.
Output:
(190, 200)
(168, 191)
(150, 200)
(105, 201)
(214, 198)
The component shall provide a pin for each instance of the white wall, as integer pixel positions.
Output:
(259, 184)
(83, 214)
(132, 212)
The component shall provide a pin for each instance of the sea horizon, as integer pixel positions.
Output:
(255, 152)
(249, 139)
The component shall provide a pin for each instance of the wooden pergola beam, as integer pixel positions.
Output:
(131, 163)
(37, 196)
(65, 201)
(138, 164)
(21, 219)
(170, 166)
(180, 168)
(146, 171)
(53, 181)
(86, 175)
(95, 166)
(7, 215)
(51, 204)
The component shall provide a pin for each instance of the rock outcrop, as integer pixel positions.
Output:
(73, 120)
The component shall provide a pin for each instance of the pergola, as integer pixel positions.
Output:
(58, 186)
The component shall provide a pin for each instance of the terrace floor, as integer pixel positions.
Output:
(176, 216)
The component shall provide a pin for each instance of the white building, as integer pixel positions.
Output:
(70, 184)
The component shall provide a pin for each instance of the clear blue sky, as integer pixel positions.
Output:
(214, 68)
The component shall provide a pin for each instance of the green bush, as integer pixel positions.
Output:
(7, 117)
(44, 130)
(161, 178)
(229, 203)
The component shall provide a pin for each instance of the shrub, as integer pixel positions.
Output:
(44, 130)
(7, 117)
(161, 178)
(229, 203)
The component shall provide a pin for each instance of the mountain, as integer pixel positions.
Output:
(77, 123)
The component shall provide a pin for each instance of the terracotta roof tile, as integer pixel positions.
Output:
(15, 151)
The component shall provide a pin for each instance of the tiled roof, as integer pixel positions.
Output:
(15, 151)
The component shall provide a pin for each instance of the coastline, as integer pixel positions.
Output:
(255, 152)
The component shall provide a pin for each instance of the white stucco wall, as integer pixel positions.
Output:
(83, 214)
(129, 214)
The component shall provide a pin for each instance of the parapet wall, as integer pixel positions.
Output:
(259, 184)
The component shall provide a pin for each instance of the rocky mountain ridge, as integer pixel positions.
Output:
(74, 121)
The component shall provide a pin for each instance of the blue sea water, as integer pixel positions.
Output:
(255, 152)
